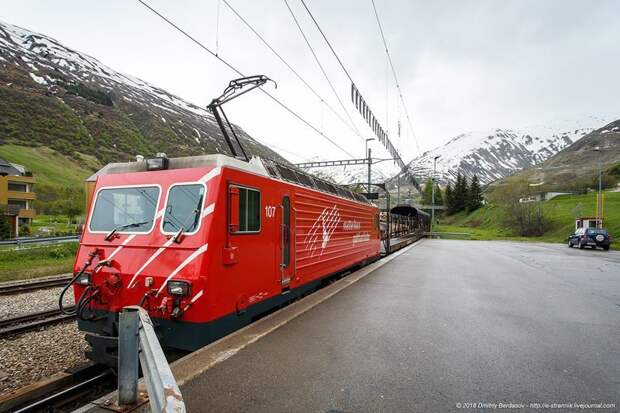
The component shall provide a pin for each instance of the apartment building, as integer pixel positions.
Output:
(16, 194)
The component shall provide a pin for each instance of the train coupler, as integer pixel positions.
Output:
(103, 349)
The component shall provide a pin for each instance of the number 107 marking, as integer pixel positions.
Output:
(270, 211)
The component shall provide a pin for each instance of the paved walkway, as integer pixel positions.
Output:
(446, 322)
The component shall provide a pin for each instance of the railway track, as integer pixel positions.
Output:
(63, 391)
(26, 286)
(28, 322)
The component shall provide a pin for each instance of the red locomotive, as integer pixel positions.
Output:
(208, 243)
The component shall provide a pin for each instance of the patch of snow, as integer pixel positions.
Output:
(39, 79)
(163, 119)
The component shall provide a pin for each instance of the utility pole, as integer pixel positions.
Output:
(433, 191)
(367, 154)
(369, 169)
(599, 198)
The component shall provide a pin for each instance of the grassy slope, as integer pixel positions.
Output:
(485, 223)
(48, 166)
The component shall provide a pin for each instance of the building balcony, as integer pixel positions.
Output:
(21, 195)
(26, 179)
(22, 179)
(27, 213)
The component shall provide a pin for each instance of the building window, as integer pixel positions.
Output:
(18, 187)
(23, 204)
(184, 208)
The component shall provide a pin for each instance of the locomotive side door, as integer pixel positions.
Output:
(286, 264)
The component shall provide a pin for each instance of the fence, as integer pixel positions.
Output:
(137, 341)
(18, 242)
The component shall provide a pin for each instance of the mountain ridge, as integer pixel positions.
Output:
(575, 167)
(496, 153)
(52, 95)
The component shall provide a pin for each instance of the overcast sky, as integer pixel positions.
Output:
(462, 65)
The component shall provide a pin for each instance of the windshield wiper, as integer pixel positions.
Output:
(177, 237)
(110, 234)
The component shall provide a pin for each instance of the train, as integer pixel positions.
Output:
(207, 244)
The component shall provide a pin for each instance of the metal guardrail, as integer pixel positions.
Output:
(447, 234)
(39, 240)
(137, 340)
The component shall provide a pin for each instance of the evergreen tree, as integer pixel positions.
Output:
(427, 193)
(449, 199)
(474, 195)
(438, 196)
(460, 193)
(5, 228)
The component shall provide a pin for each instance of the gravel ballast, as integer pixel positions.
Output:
(32, 356)
(31, 302)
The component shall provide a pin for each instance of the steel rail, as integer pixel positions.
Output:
(28, 322)
(25, 286)
(57, 390)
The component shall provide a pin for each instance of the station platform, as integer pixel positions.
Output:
(437, 326)
(397, 243)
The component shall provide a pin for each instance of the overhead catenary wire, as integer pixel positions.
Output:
(316, 23)
(318, 62)
(327, 41)
(400, 93)
(295, 72)
(217, 28)
(231, 67)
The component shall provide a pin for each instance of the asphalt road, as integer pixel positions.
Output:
(447, 322)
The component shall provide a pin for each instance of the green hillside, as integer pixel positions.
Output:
(48, 166)
(486, 222)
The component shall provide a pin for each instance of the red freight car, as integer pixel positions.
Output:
(208, 243)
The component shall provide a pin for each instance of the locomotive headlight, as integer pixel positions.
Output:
(83, 279)
(178, 288)
(156, 164)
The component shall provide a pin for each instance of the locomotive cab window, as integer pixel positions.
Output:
(125, 209)
(244, 210)
(183, 208)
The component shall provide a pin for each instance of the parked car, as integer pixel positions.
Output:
(591, 237)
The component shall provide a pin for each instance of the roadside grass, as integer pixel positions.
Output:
(38, 261)
(486, 222)
(49, 225)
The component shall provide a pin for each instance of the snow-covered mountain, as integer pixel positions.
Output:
(351, 174)
(497, 153)
(95, 109)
